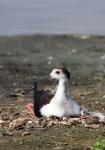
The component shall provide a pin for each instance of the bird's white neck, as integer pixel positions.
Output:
(61, 90)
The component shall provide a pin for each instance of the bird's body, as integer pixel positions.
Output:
(61, 105)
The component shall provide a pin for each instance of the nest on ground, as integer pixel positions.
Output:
(12, 121)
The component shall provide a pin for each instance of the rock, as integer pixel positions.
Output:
(29, 122)
(50, 57)
(74, 50)
(102, 57)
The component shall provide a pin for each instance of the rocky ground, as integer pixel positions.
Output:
(24, 59)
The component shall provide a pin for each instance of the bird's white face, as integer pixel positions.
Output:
(57, 74)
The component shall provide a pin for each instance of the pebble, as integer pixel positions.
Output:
(29, 122)
(74, 50)
(50, 58)
(103, 57)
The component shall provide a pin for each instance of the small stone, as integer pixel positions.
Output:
(74, 50)
(29, 122)
(97, 102)
(50, 57)
(103, 57)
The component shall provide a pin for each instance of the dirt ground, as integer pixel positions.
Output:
(24, 59)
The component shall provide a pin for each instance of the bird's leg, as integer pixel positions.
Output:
(29, 107)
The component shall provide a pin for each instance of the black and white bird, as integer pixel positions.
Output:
(59, 104)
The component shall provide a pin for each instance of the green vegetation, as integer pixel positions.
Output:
(99, 145)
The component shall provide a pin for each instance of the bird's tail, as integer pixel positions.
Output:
(94, 114)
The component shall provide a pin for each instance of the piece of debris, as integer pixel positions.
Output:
(18, 123)
(1, 121)
(64, 122)
(50, 124)
(99, 116)
(25, 134)
(93, 126)
(7, 133)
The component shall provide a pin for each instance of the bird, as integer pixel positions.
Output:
(61, 104)
(58, 104)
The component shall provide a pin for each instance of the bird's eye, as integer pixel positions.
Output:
(57, 72)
